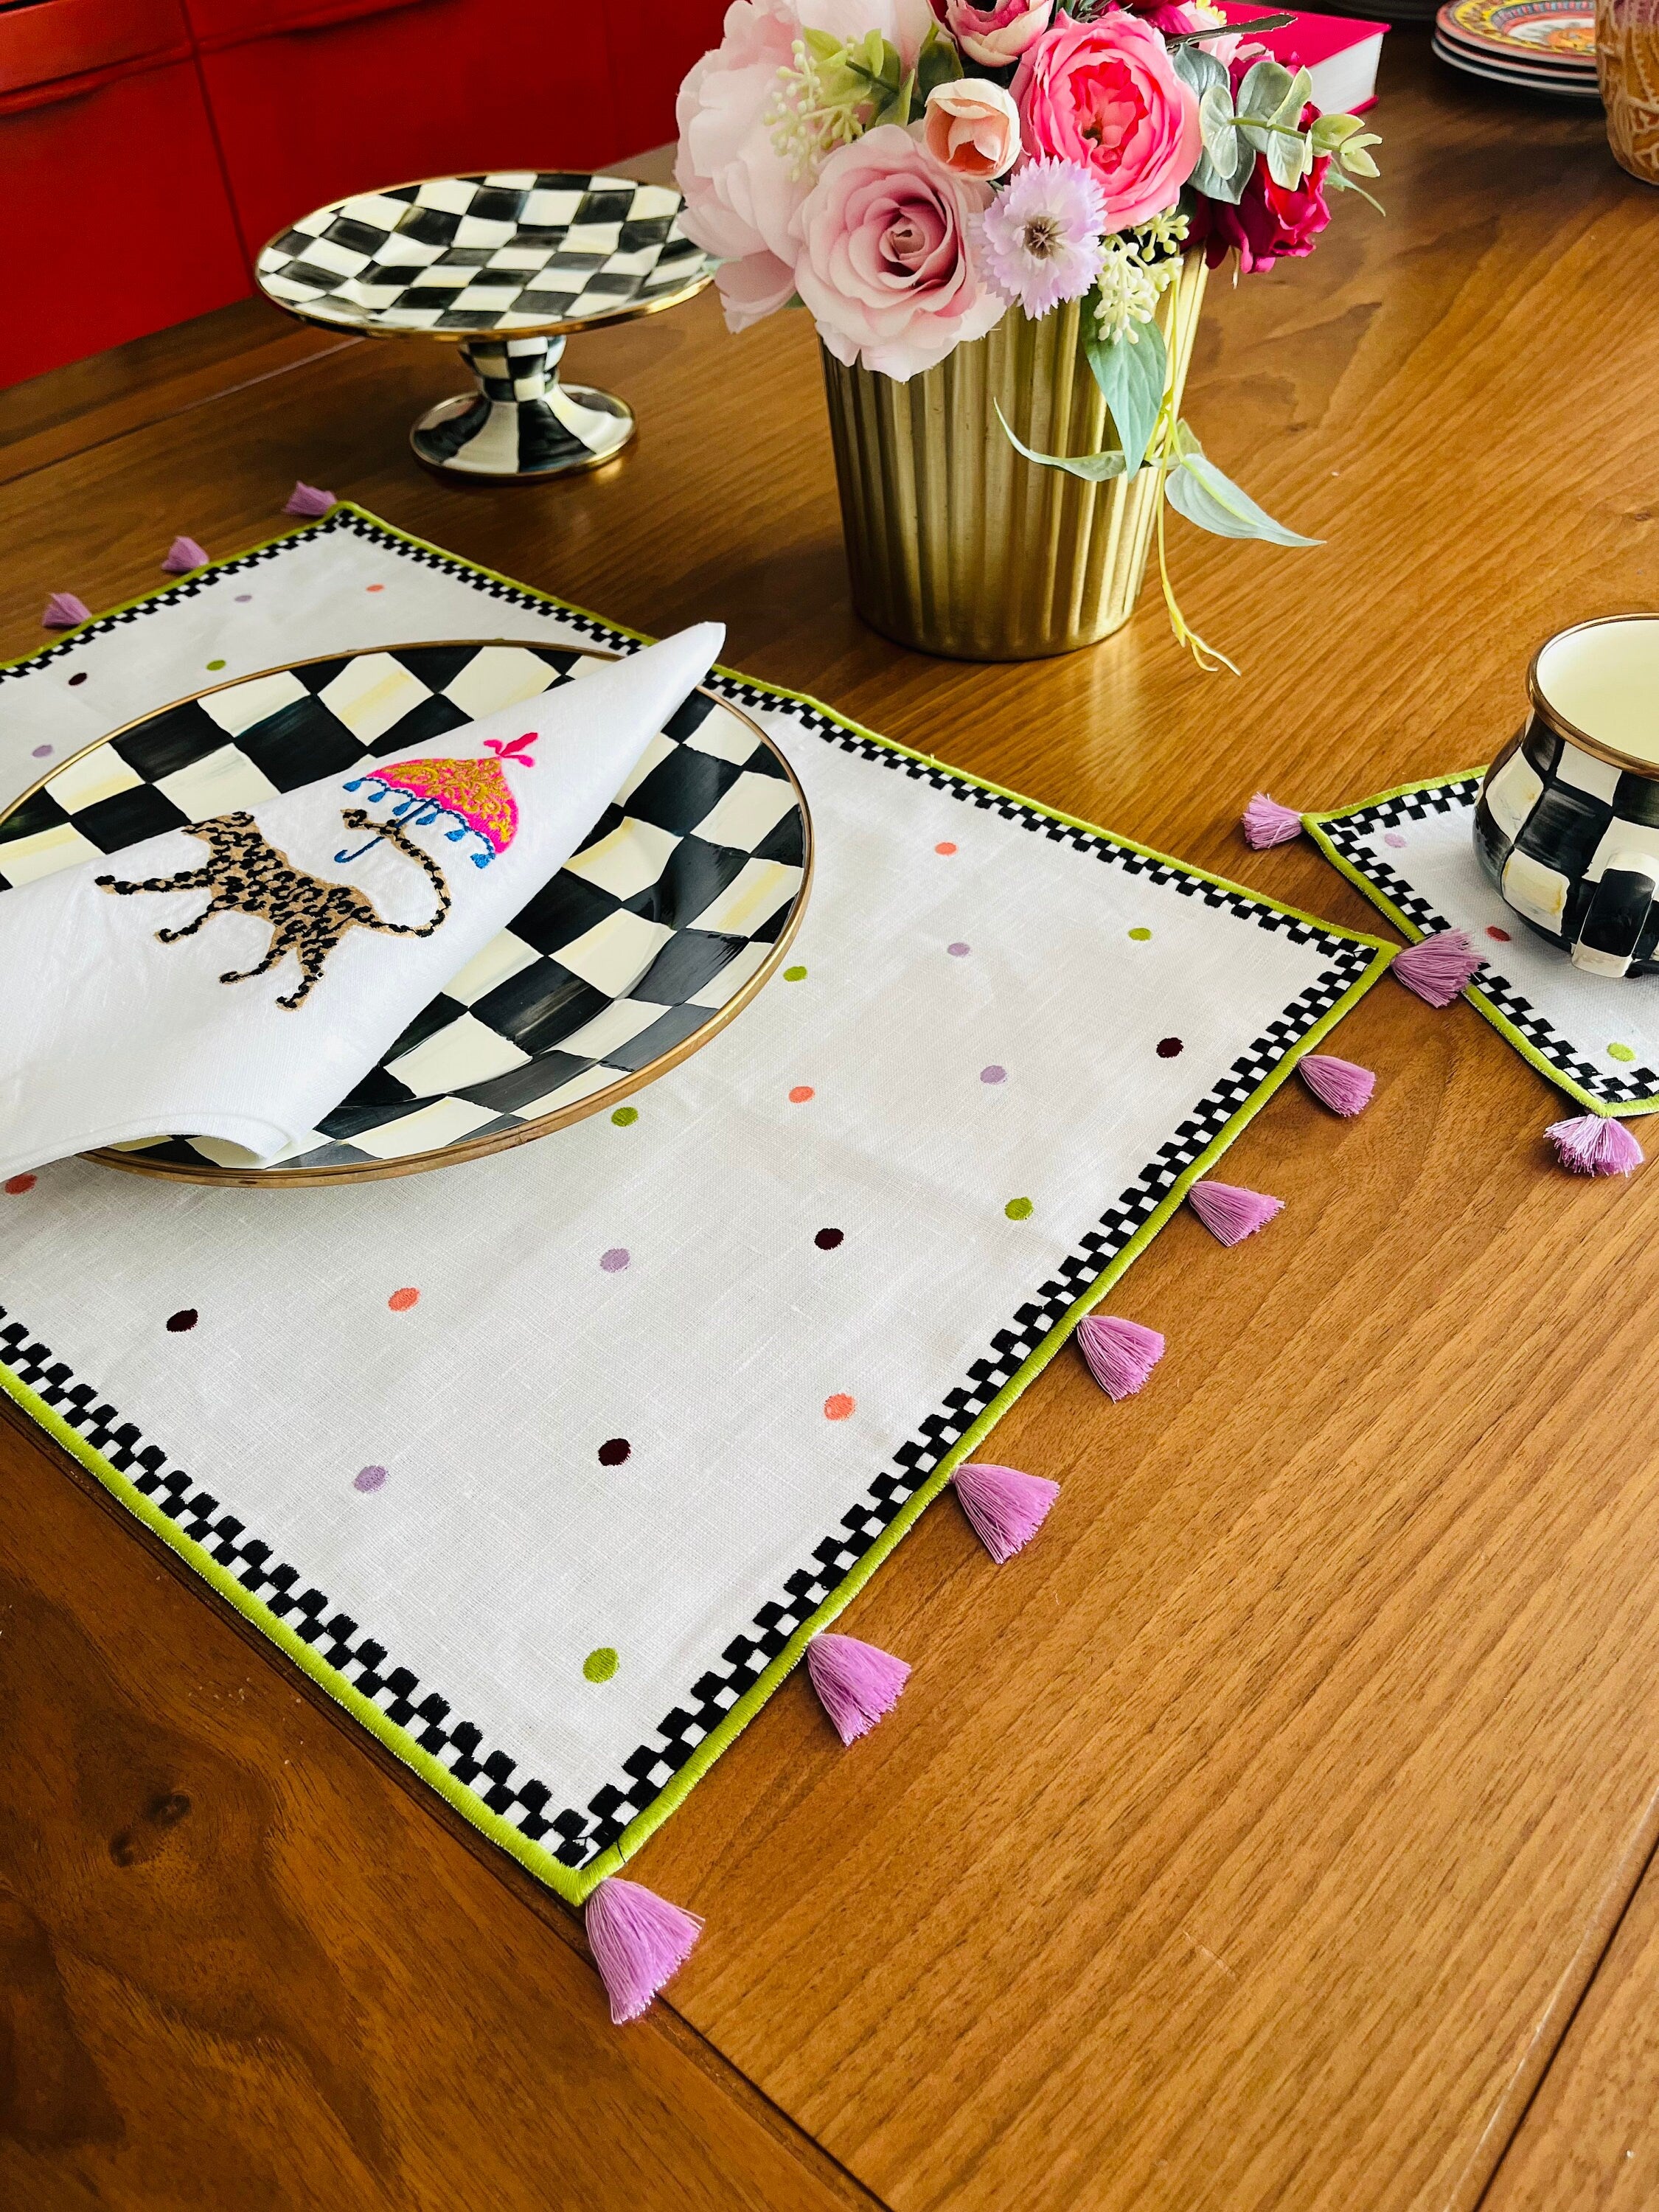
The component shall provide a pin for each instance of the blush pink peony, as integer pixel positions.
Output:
(885, 264)
(740, 198)
(996, 34)
(1104, 94)
(971, 125)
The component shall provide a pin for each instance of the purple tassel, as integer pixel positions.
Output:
(1437, 968)
(1121, 1354)
(1595, 1144)
(306, 498)
(184, 555)
(65, 612)
(639, 1942)
(1338, 1084)
(1267, 823)
(1231, 1215)
(1005, 1508)
(857, 1684)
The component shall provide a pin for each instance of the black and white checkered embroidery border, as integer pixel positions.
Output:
(573, 1836)
(1349, 835)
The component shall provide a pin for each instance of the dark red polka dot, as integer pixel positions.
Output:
(1168, 1047)
(80, 677)
(1502, 935)
(16, 1185)
(827, 1239)
(614, 1450)
(186, 1317)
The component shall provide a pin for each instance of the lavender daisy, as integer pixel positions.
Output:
(1042, 236)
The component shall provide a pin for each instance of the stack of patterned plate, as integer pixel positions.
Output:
(1534, 45)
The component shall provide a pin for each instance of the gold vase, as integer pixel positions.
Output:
(1627, 63)
(958, 544)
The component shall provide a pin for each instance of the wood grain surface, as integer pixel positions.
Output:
(1250, 1841)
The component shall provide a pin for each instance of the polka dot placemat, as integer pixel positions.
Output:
(548, 1465)
(1411, 852)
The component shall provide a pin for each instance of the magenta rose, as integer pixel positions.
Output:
(1270, 222)
(884, 264)
(1104, 94)
(740, 197)
(995, 33)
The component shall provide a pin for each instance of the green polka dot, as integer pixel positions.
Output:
(625, 1115)
(1017, 1209)
(1620, 1052)
(795, 975)
(600, 1666)
(1140, 935)
(215, 663)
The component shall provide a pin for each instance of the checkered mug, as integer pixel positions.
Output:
(1567, 825)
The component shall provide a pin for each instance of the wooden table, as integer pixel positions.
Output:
(1253, 1842)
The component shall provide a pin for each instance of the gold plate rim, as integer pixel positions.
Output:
(568, 327)
(474, 1148)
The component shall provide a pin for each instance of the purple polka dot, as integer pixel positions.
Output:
(184, 1318)
(80, 677)
(615, 1259)
(959, 950)
(827, 1239)
(242, 598)
(368, 1478)
(993, 1073)
(43, 752)
(614, 1450)
(1168, 1048)
(1393, 837)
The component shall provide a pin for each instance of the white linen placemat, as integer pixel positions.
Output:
(546, 1464)
(1411, 852)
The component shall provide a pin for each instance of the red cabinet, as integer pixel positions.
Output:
(119, 221)
(312, 101)
(156, 144)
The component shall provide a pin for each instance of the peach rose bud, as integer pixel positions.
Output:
(972, 127)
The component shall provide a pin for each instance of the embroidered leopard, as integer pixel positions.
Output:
(308, 915)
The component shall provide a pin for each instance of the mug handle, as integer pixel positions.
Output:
(1617, 913)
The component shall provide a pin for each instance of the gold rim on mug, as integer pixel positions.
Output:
(474, 1148)
(1554, 719)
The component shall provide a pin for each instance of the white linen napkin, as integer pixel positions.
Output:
(236, 980)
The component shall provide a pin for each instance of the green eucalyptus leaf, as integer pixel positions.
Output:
(1131, 374)
(1263, 92)
(1356, 162)
(1197, 68)
(1093, 468)
(1196, 488)
(1215, 122)
(824, 44)
(937, 62)
(1289, 160)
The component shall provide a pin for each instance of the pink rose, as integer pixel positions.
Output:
(995, 33)
(884, 264)
(972, 126)
(740, 198)
(1105, 93)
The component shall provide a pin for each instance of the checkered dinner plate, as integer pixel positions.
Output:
(458, 256)
(646, 942)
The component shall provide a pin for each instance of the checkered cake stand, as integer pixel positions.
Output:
(645, 944)
(506, 267)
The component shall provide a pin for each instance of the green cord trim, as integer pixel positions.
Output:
(1313, 824)
(574, 1885)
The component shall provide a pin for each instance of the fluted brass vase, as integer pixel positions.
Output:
(958, 544)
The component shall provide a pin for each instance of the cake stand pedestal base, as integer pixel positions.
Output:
(521, 425)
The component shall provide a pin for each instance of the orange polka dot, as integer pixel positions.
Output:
(840, 1407)
(801, 1093)
(947, 847)
(374, 587)
(16, 1185)
(401, 1301)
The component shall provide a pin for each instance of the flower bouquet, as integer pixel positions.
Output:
(1001, 214)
